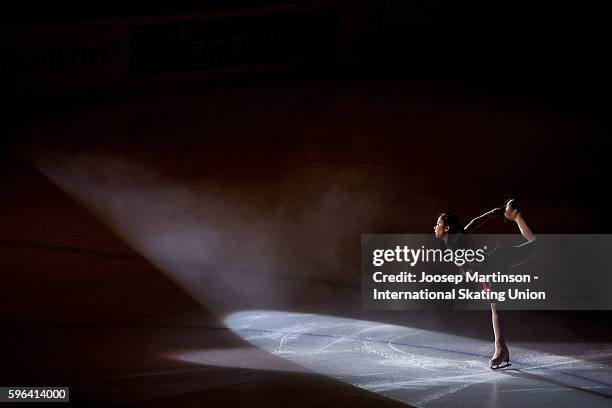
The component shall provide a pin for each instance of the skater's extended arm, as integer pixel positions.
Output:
(480, 220)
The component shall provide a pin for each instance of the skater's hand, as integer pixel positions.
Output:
(510, 212)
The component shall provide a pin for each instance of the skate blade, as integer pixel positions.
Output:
(500, 366)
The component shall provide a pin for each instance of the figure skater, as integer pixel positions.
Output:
(450, 230)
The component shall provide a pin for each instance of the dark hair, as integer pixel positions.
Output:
(452, 222)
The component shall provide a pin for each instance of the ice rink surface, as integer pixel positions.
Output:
(430, 369)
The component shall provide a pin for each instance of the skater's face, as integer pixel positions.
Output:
(440, 229)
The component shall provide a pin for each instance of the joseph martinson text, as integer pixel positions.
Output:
(456, 293)
(468, 277)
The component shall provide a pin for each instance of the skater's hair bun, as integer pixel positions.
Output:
(453, 223)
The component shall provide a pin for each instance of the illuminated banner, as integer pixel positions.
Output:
(132, 51)
(232, 42)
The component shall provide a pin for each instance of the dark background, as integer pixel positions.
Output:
(398, 110)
